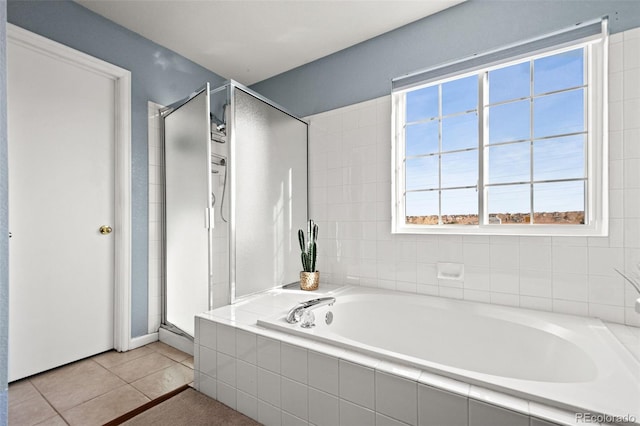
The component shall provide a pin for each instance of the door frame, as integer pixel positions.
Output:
(122, 184)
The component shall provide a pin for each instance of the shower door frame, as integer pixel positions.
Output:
(234, 85)
(165, 112)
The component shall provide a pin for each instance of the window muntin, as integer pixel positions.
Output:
(512, 149)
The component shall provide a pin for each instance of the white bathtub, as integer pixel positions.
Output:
(569, 362)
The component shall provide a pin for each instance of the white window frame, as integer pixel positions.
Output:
(596, 200)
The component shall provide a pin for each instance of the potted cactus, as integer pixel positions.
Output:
(309, 277)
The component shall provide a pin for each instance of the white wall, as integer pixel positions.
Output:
(350, 198)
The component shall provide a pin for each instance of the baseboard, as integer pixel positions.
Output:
(179, 342)
(139, 341)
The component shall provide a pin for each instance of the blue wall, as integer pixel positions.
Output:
(364, 71)
(4, 210)
(158, 75)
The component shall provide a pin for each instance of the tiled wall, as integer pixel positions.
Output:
(156, 188)
(350, 198)
(280, 383)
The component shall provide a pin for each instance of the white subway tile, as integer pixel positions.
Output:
(226, 395)
(505, 299)
(505, 281)
(226, 340)
(602, 260)
(226, 369)
(323, 372)
(247, 405)
(291, 420)
(481, 414)
(607, 312)
(269, 415)
(477, 278)
(631, 52)
(352, 414)
(247, 377)
(269, 387)
(536, 283)
(208, 361)
(477, 296)
(268, 354)
(631, 142)
(570, 307)
(537, 303)
(437, 407)
(357, 384)
(606, 290)
(382, 420)
(246, 346)
(396, 397)
(294, 362)
(572, 287)
(208, 386)
(208, 333)
(570, 259)
(323, 408)
(478, 255)
(505, 255)
(294, 398)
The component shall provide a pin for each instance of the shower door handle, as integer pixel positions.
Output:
(208, 218)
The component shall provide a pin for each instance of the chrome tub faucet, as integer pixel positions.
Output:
(296, 312)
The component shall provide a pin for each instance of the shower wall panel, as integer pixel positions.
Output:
(269, 194)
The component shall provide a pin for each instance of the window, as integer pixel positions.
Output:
(513, 147)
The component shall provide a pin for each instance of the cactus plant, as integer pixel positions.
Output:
(309, 248)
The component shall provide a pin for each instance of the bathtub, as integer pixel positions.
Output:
(572, 363)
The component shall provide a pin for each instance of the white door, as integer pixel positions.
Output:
(61, 128)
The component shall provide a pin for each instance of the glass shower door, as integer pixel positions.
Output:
(188, 201)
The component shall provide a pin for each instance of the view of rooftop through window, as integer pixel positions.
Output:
(512, 139)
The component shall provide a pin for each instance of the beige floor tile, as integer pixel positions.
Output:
(168, 351)
(188, 362)
(164, 381)
(112, 358)
(21, 391)
(143, 366)
(105, 407)
(73, 384)
(53, 421)
(30, 412)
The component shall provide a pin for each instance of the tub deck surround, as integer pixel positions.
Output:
(278, 377)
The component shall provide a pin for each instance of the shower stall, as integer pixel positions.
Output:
(235, 174)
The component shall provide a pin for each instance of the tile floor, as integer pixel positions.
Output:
(96, 390)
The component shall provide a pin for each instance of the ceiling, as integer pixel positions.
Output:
(250, 41)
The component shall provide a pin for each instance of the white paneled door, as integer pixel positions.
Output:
(61, 204)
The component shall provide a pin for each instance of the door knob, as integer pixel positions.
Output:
(105, 229)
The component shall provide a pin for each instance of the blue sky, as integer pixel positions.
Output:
(516, 148)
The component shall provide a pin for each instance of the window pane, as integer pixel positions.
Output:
(559, 114)
(509, 163)
(509, 204)
(460, 132)
(460, 207)
(509, 83)
(460, 95)
(557, 72)
(559, 202)
(422, 173)
(422, 104)
(460, 169)
(421, 208)
(509, 122)
(422, 138)
(561, 158)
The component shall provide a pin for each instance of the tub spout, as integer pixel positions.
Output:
(296, 312)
